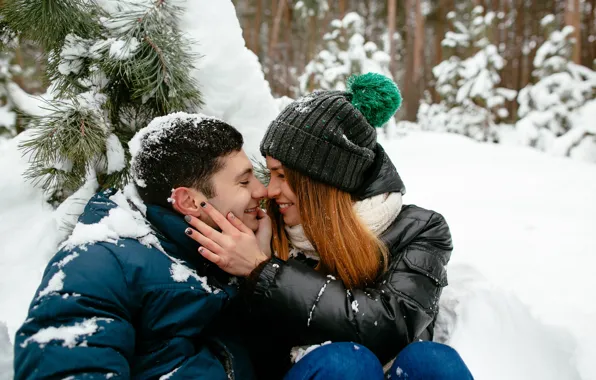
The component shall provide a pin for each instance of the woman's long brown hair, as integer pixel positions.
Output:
(346, 246)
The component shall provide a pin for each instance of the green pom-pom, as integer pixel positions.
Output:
(375, 96)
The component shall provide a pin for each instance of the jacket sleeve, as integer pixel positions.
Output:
(78, 324)
(385, 318)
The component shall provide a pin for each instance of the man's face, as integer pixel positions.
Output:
(237, 190)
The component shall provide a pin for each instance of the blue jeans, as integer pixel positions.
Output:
(346, 361)
(349, 361)
(429, 361)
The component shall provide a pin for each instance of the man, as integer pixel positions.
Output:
(128, 295)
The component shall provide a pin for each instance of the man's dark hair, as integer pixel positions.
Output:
(181, 151)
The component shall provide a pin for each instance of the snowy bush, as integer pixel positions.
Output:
(309, 8)
(472, 102)
(557, 113)
(8, 116)
(346, 52)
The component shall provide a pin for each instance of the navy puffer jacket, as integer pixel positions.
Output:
(142, 307)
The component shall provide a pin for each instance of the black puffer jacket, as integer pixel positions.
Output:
(301, 306)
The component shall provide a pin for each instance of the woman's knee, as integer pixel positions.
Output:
(342, 360)
(429, 360)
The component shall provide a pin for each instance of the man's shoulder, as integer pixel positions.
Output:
(126, 257)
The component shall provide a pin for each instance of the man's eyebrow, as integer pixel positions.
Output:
(244, 172)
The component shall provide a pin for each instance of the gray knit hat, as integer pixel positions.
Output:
(330, 136)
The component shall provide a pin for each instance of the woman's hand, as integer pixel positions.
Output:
(235, 249)
(264, 232)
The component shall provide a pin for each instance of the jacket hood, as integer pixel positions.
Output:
(382, 177)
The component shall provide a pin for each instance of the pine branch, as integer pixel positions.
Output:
(261, 171)
(157, 72)
(48, 22)
(135, 59)
(64, 144)
(7, 35)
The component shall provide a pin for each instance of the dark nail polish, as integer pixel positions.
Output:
(187, 218)
(200, 249)
(188, 231)
(203, 204)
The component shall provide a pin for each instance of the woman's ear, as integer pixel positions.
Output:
(187, 201)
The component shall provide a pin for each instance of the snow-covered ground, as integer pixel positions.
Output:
(524, 221)
(520, 301)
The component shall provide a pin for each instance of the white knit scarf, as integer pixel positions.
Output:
(377, 213)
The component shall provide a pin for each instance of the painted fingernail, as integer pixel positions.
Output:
(231, 216)
(188, 231)
(200, 249)
(187, 218)
(203, 204)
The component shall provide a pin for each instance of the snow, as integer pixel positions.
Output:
(586, 116)
(29, 104)
(5, 353)
(121, 222)
(352, 19)
(158, 130)
(181, 273)
(539, 351)
(169, 374)
(29, 233)
(298, 353)
(314, 305)
(231, 79)
(124, 49)
(69, 335)
(55, 284)
(548, 19)
(534, 247)
(60, 264)
(115, 154)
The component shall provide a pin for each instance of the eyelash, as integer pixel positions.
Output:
(244, 183)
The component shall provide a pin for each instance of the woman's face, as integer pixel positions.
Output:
(280, 192)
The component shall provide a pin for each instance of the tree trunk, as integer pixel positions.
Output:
(591, 32)
(312, 36)
(18, 79)
(256, 42)
(525, 40)
(440, 23)
(573, 18)
(418, 42)
(519, 58)
(391, 9)
(275, 30)
(414, 54)
(289, 51)
(496, 27)
(342, 8)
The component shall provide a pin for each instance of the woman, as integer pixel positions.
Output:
(351, 263)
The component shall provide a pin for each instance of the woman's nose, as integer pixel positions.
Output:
(272, 189)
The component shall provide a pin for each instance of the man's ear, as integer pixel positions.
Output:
(187, 201)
